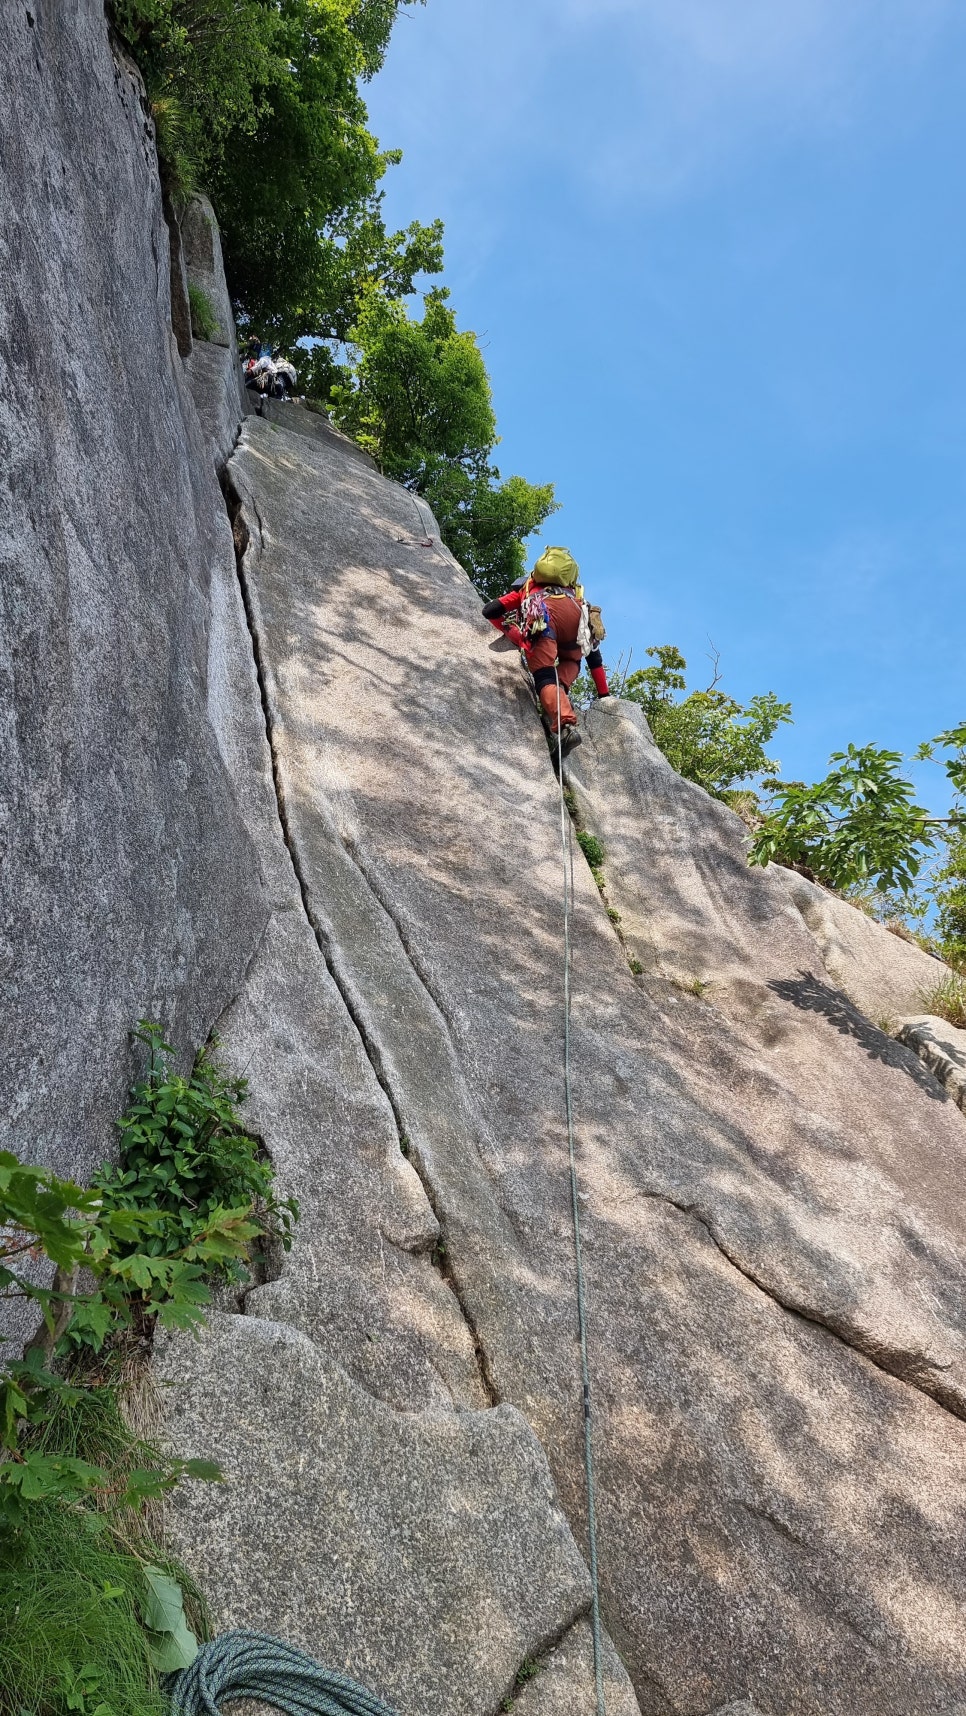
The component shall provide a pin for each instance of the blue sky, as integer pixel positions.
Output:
(715, 252)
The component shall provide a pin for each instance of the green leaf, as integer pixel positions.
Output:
(171, 1643)
(171, 1651)
(206, 1470)
(164, 1605)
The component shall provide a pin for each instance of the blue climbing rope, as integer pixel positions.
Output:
(254, 1665)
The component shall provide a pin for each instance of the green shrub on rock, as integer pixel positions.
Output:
(204, 322)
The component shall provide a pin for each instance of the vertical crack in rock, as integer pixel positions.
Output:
(901, 1365)
(241, 537)
(352, 851)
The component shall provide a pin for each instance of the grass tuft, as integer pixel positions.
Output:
(70, 1625)
(204, 322)
(72, 1587)
(591, 848)
(948, 1000)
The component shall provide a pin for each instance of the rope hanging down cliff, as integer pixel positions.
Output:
(567, 856)
(253, 1665)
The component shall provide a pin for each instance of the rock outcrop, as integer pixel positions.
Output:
(129, 885)
(772, 1243)
(212, 365)
(943, 1049)
(271, 773)
(887, 980)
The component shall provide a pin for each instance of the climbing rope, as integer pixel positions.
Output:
(253, 1665)
(567, 849)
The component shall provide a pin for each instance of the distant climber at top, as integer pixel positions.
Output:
(546, 616)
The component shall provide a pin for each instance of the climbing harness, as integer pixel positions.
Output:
(567, 852)
(254, 1665)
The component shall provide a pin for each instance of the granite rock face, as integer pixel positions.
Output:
(881, 973)
(725, 951)
(304, 794)
(129, 884)
(212, 368)
(774, 1253)
(201, 247)
(564, 1684)
(352, 1530)
(359, 1327)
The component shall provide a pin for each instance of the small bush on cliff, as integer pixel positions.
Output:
(204, 322)
(708, 736)
(185, 1203)
(191, 1170)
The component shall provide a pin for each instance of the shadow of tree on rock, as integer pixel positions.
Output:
(813, 996)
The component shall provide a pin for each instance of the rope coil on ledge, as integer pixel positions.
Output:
(253, 1665)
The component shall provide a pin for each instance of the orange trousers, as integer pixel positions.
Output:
(560, 646)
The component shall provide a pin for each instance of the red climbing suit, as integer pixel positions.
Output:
(554, 647)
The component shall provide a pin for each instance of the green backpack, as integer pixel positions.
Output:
(556, 566)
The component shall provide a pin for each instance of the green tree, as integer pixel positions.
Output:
(485, 522)
(420, 392)
(260, 102)
(857, 826)
(708, 736)
(419, 399)
(948, 884)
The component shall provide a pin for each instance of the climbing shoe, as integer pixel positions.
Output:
(569, 740)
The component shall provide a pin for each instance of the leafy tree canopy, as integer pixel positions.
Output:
(948, 883)
(485, 522)
(420, 392)
(858, 825)
(708, 736)
(859, 828)
(419, 398)
(260, 102)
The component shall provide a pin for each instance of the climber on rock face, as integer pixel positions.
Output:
(546, 616)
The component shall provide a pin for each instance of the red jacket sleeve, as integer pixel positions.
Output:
(499, 613)
(499, 610)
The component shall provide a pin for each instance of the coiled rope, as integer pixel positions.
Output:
(254, 1665)
(567, 852)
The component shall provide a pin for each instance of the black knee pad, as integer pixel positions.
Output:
(544, 676)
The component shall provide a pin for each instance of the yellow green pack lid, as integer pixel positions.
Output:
(556, 566)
